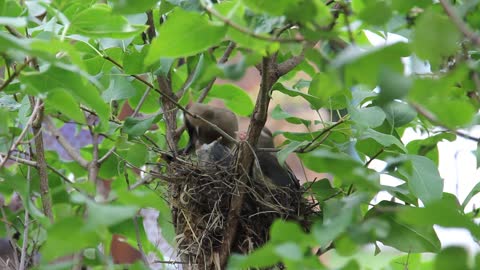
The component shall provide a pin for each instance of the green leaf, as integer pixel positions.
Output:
(324, 160)
(398, 113)
(107, 215)
(13, 21)
(323, 190)
(137, 155)
(376, 12)
(130, 7)
(441, 97)
(120, 87)
(392, 85)
(137, 127)
(273, 7)
(364, 64)
(184, 34)
(67, 236)
(133, 61)
(62, 101)
(287, 150)
(314, 101)
(429, 40)
(279, 114)
(234, 97)
(452, 258)
(339, 215)
(446, 212)
(424, 180)
(99, 22)
(412, 261)
(405, 236)
(82, 91)
(325, 86)
(289, 251)
(368, 116)
(475, 190)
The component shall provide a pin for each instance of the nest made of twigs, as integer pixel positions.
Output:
(201, 197)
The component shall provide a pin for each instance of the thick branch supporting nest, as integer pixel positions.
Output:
(201, 204)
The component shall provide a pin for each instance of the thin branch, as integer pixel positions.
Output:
(435, 121)
(13, 76)
(374, 157)
(42, 165)
(36, 109)
(139, 243)
(71, 151)
(459, 23)
(20, 160)
(324, 131)
(26, 222)
(247, 31)
(13, 31)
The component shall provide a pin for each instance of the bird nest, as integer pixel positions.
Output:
(200, 200)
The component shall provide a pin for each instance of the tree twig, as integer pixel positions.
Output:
(71, 151)
(42, 165)
(459, 23)
(139, 243)
(26, 221)
(247, 31)
(35, 111)
(13, 76)
(435, 121)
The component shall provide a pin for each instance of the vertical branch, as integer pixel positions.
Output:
(42, 165)
(26, 222)
(164, 84)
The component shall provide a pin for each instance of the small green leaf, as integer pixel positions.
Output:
(287, 150)
(184, 34)
(131, 7)
(475, 190)
(120, 87)
(368, 116)
(279, 114)
(137, 127)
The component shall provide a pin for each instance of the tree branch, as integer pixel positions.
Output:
(71, 151)
(435, 121)
(459, 23)
(35, 111)
(247, 31)
(42, 165)
(13, 76)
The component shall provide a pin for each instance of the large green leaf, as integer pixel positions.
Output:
(83, 91)
(424, 180)
(429, 40)
(183, 34)
(235, 98)
(67, 236)
(405, 236)
(98, 21)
